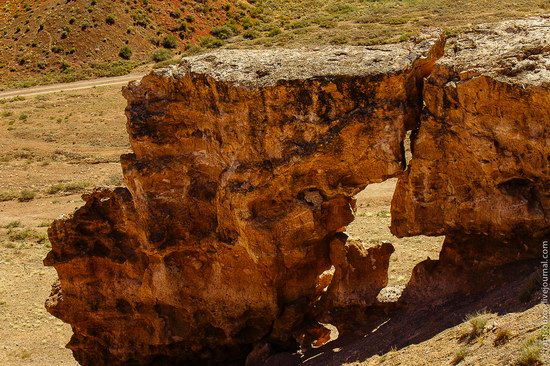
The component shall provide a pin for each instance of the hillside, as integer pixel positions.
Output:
(73, 39)
(55, 41)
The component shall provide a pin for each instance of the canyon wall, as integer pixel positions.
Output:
(231, 231)
(481, 158)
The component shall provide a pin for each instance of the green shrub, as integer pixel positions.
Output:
(71, 187)
(110, 19)
(26, 195)
(141, 19)
(13, 224)
(250, 34)
(274, 32)
(125, 52)
(175, 14)
(210, 42)
(223, 32)
(161, 55)
(7, 196)
(22, 234)
(182, 27)
(64, 66)
(170, 41)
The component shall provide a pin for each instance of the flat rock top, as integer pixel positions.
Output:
(515, 51)
(254, 68)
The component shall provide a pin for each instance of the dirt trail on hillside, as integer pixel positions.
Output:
(78, 85)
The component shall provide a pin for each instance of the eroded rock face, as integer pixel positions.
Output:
(470, 265)
(480, 172)
(230, 236)
(481, 159)
(241, 182)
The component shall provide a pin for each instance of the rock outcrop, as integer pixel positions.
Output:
(241, 183)
(480, 172)
(230, 236)
(481, 157)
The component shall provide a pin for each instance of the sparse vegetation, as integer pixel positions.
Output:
(26, 195)
(125, 52)
(170, 41)
(531, 352)
(13, 224)
(223, 32)
(7, 196)
(209, 42)
(110, 19)
(459, 356)
(477, 322)
(70, 187)
(502, 336)
(161, 55)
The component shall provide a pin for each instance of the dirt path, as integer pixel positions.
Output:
(84, 84)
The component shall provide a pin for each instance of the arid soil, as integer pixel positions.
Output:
(66, 143)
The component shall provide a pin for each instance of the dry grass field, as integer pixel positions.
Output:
(53, 148)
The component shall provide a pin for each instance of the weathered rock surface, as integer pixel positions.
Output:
(481, 158)
(480, 172)
(239, 188)
(230, 236)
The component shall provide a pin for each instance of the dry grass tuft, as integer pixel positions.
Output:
(502, 336)
(531, 351)
(477, 322)
(459, 356)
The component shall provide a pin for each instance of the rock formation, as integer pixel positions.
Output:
(230, 237)
(480, 172)
(240, 186)
(481, 157)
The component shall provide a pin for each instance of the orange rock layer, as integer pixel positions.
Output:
(230, 235)
(241, 184)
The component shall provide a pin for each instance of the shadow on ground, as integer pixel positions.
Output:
(398, 325)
